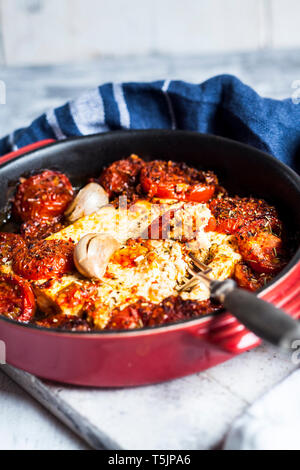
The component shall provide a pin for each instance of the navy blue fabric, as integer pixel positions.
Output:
(222, 105)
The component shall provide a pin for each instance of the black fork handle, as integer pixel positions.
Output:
(262, 318)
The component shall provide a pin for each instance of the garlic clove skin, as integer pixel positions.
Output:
(89, 200)
(92, 254)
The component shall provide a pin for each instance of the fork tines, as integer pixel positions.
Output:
(203, 267)
(196, 276)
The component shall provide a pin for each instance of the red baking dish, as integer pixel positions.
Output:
(127, 358)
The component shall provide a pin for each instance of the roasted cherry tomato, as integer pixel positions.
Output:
(17, 300)
(170, 180)
(262, 251)
(35, 230)
(44, 260)
(232, 214)
(121, 176)
(9, 243)
(43, 196)
(248, 279)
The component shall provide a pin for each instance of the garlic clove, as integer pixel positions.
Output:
(89, 200)
(92, 254)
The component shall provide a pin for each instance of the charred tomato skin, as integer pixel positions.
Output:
(34, 230)
(17, 301)
(261, 250)
(121, 176)
(246, 278)
(9, 244)
(43, 196)
(170, 180)
(234, 213)
(44, 260)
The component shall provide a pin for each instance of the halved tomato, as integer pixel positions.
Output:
(122, 175)
(17, 300)
(43, 196)
(170, 180)
(262, 251)
(234, 213)
(44, 260)
(248, 279)
(34, 230)
(9, 243)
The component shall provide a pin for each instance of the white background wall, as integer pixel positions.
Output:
(52, 31)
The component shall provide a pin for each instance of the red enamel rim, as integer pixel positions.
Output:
(29, 148)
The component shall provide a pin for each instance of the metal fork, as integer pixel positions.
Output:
(262, 318)
(200, 276)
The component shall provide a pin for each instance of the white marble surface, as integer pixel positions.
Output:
(194, 412)
(26, 425)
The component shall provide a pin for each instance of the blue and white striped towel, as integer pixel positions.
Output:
(222, 105)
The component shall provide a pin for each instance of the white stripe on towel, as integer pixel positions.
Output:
(124, 113)
(88, 113)
(169, 102)
(53, 123)
(11, 140)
